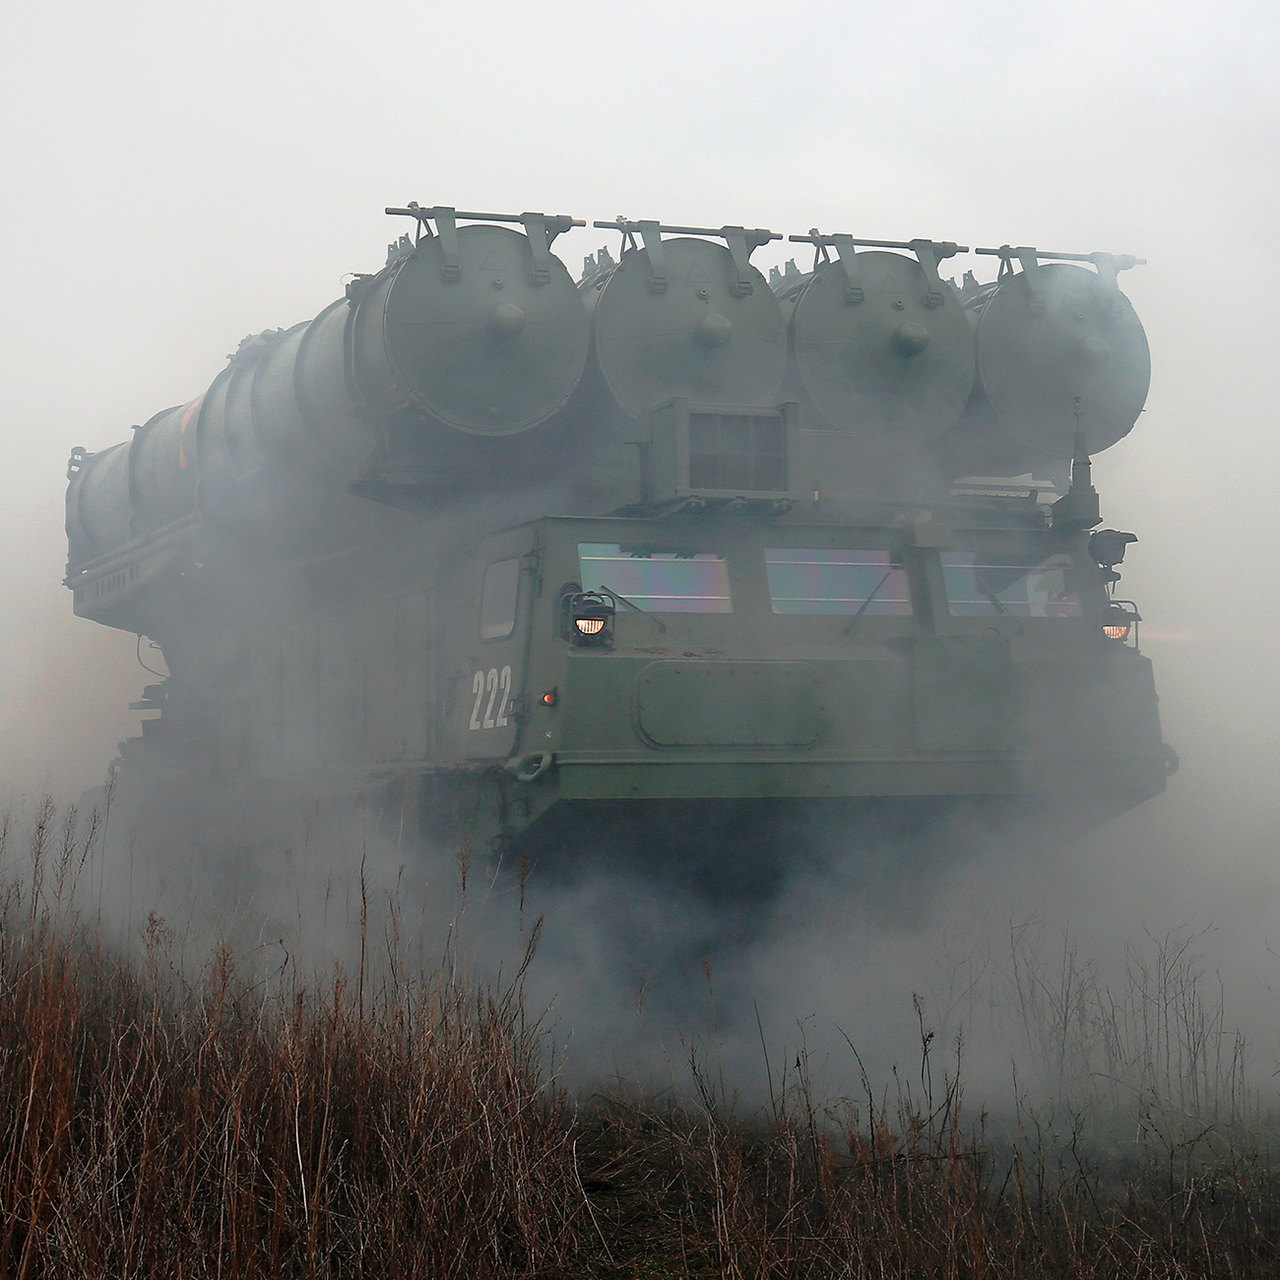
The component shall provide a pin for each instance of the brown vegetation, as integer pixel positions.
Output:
(237, 1126)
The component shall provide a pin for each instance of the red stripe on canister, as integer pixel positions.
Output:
(182, 431)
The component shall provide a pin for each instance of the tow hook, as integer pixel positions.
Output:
(529, 767)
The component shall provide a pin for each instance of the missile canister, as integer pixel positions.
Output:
(477, 331)
(1058, 346)
(688, 322)
(490, 341)
(98, 509)
(880, 350)
(472, 331)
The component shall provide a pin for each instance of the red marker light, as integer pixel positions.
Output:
(549, 698)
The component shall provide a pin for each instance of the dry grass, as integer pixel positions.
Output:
(232, 1125)
(912, 1188)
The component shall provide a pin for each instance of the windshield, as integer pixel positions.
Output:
(984, 585)
(826, 580)
(657, 581)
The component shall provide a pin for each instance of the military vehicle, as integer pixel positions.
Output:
(674, 555)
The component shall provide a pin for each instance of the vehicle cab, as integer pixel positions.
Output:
(718, 656)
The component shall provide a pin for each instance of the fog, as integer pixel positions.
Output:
(183, 175)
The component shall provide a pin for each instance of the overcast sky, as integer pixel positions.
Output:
(181, 175)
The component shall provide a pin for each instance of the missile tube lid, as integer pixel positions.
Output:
(879, 353)
(489, 345)
(1056, 341)
(691, 329)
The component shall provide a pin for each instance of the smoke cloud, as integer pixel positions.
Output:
(183, 179)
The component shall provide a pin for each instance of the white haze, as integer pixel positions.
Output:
(180, 175)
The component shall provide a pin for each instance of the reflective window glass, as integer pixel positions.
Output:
(498, 599)
(658, 581)
(823, 580)
(984, 585)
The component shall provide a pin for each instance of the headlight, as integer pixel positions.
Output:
(588, 618)
(1120, 620)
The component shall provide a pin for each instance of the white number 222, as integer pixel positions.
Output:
(497, 684)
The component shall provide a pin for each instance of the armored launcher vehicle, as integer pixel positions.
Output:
(672, 553)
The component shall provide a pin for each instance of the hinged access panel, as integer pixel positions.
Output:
(487, 709)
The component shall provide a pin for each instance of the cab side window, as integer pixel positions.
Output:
(498, 599)
(982, 584)
(836, 580)
(658, 581)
